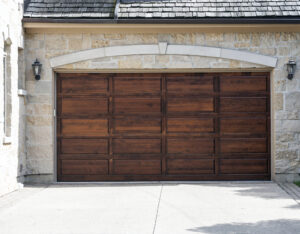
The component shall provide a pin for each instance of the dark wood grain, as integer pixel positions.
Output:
(134, 146)
(244, 125)
(190, 146)
(243, 84)
(84, 146)
(84, 127)
(86, 83)
(192, 166)
(82, 167)
(188, 105)
(137, 105)
(244, 166)
(74, 106)
(189, 85)
(137, 86)
(179, 126)
(134, 124)
(243, 104)
(243, 145)
(190, 125)
(137, 167)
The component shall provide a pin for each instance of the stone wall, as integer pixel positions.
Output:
(285, 93)
(12, 145)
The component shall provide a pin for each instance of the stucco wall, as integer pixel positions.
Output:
(285, 93)
(13, 150)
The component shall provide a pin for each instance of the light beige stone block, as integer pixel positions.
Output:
(278, 102)
(292, 101)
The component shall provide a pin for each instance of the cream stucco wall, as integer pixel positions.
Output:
(12, 149)
(40, 131)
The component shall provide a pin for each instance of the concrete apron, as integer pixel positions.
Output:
(160, 208)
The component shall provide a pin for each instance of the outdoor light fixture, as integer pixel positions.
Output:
(291, 68)
(37, 68)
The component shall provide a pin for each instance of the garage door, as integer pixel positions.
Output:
(128, 127)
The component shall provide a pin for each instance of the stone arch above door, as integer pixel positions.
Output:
(163, 49)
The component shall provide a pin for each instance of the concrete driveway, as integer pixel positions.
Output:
(221, 207)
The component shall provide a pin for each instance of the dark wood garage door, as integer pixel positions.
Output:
(126, 127)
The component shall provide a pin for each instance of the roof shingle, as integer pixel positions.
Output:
(70, 9)
(207, 8)
(156, 9)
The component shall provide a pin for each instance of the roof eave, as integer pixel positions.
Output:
(244, 20)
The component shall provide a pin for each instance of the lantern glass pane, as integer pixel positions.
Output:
(36, 68)
(289, 68)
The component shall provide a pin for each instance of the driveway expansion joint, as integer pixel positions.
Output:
(292, 190)
(157, 209)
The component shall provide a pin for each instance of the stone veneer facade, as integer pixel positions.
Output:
(12, 148)
(285, 94)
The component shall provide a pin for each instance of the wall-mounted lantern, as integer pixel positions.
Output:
(291, 68)
(37, 69)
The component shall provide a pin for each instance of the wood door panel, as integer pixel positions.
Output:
(179, 126)
(243, 145)
(190, 146)
(137, 105)
(244, 166)
(182, 105)
(190, 125)
(243, 84)
(137, 86)
(243, 104)
(84, 106)
(84, 167)
(84, 127)
(245, 125)
(137, 167)
(136, 146)
(189, 86)
(190, 166)
(134, 124)
(84, 85)
(84, 146)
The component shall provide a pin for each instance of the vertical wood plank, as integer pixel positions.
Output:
(164, 125)
(58, 126)
(217, 124)
(110, 124)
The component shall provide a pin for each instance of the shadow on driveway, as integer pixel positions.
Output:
(262, 227)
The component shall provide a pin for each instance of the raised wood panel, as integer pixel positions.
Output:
(137, 167)
(191, 105)
(84, 106)
(137, 86)
(242, 104)
(84, 146)
(190, 166)
(84, 167)
(245, 125)
(137, 105)
(243, 145)
(189, 86)
(84, 127)
(136, 146)
(190, 125)
(244, 166)
(243, 84)
(190, 146)
(134, 124)
(84, 85)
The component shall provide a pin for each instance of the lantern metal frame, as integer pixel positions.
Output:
(291, 69)
(37, 69)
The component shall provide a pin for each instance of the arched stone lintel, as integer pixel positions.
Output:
(163, 48)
